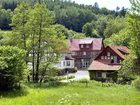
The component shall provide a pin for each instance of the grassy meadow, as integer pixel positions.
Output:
(74, 94)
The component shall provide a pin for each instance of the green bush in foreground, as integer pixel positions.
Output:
(137, 83)
(11, 67)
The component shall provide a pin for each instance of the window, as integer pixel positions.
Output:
(63, 63)
(87, 46)
(109, 74)
(82, 46)
(84, 53)
(68, 63)
(103, 75)
(105, 57)
(85, 63)
(108, 54)
(102, 57)
(74, 53)
(112, 57)
(79, 53)
(99, 74)
(108, 57)
(115, 59)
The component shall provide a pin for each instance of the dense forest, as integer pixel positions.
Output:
(91, 20)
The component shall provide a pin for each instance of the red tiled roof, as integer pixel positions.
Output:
(103, 65)
(74, 43)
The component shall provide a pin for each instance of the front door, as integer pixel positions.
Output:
(85, 63)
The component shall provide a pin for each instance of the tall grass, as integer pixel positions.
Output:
(76, 93)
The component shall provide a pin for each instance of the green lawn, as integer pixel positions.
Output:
(75, 94)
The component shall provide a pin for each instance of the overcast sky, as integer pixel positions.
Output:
(110, 4)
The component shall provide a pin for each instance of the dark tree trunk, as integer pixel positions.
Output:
(39, 50)
(33, 60)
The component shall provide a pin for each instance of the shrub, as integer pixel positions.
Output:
(11, 67)
(84, 80)
(71, 77)
(137, 83)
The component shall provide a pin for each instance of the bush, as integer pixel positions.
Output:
(71, 77)
(84, 80)
(11, 67)
(137, 83)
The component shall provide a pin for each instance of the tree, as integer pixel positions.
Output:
(72, 15)
(40, 19)
(19, 22)
(97, 28)
(131, 64)
(6, 38)
(123, 12)
(60, 29)
(87, 29)
(114, 26)
(54, 47)
(96, 5)
(12, 67)
(121, 38)
(5, 19)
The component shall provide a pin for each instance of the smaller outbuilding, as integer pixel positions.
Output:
(106, 65)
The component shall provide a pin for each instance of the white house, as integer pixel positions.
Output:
(65, 62)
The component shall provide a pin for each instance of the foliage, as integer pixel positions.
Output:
(131, 64)
(128, 65)
(67, 33)
(11, 67)
(134, 26)
(114, 26)
(97, 28)
(5, 19)
(137, 83)
(120, 38)
(20, 32)
(84, 80)
(73, 16)
(9, 4)
(87, 29)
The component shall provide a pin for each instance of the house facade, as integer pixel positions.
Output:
(106, 65)
(84, 51)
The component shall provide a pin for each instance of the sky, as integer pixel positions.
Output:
(110, 4)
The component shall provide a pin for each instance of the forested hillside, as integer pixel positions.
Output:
(91, 20)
